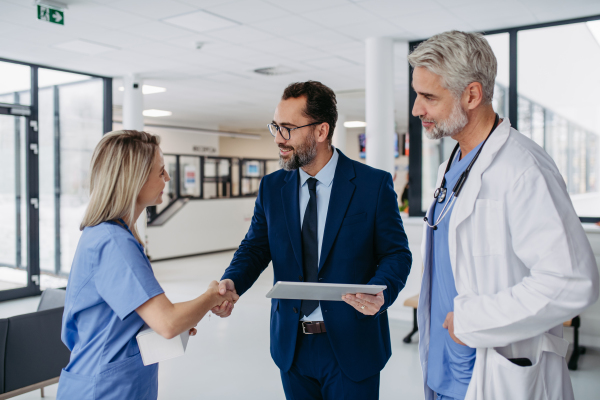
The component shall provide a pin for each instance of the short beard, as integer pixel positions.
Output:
(301, 156)
(452, 125)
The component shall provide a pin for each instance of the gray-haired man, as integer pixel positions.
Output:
(506, 258)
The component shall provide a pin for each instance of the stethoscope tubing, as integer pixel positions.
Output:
(461, 180)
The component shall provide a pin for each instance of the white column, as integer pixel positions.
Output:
(380, 103)
(133, 103)
(133, 119)
(339, 134)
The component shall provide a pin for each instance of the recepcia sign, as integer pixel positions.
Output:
(51, 15)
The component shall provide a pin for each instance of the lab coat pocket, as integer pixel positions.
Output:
(510, 381)
(488, 227)
(506, 380)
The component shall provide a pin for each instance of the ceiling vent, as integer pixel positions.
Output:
(272, 71)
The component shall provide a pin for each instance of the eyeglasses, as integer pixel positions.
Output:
(274, 128)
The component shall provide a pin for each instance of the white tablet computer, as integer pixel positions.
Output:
(319, 291)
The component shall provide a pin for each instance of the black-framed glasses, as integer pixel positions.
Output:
(274, 128)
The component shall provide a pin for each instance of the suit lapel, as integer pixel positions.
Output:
(341, 194)
(291, 209)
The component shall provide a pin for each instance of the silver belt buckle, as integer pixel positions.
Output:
(304, 328)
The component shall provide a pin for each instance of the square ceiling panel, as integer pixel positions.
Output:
(200, 21)
(249, 11)
(85, 47)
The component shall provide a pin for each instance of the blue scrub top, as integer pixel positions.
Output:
(450, 365)
(110, 277)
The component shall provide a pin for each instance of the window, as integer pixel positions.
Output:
(46, 145)
(555, 68)
(558, 108)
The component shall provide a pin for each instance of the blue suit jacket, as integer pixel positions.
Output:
(364, 243)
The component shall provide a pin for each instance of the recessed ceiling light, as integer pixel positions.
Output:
(201, 21)
(147, 89)
(156, 113)
(355, 124)
(85, 47)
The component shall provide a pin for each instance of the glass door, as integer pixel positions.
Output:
(16, 268)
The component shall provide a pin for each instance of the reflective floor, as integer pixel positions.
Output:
(229, 358)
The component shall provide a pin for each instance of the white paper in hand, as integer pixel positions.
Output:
(155, 348)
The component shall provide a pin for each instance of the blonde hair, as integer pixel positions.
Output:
(120, 167)
(460, 58)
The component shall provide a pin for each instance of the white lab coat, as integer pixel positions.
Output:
(522, 266)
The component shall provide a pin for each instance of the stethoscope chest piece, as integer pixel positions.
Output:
(441, 194)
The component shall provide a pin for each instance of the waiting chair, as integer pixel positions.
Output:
(577, 349)
(32, 354)
(412, 302)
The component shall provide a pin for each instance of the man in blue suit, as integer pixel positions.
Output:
(323, 218)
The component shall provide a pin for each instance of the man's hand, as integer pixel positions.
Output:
(449, 324)
(367, 304)
(225, 309)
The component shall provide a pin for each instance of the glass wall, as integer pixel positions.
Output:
(13, 203)
(15, 79)
(46, 144)
(201, 177)
(70, 126)
(558, 107)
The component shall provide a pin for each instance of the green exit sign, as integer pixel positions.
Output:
(50, 14)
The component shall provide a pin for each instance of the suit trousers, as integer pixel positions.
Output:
(316, 374)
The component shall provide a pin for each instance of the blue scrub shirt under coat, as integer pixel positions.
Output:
(450, 365)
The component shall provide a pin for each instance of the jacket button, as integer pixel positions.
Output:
(300, 278)
(295, 310)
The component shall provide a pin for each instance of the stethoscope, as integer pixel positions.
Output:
(440, 193)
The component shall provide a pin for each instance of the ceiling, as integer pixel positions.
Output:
(215, 86)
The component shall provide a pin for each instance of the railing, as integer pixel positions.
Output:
(209, 177)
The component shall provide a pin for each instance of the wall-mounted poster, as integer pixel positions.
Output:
(190, 177)
(362, 142)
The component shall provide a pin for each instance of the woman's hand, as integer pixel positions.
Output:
(217, 299)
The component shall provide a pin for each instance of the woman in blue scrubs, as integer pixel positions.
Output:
(112, 290)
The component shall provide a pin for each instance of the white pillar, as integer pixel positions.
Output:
(133, 103)
(339, 134)
(380, 103)
(133, 119)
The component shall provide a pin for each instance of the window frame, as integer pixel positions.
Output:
(415, 196)
(30, 113)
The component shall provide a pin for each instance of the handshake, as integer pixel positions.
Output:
(226, 296)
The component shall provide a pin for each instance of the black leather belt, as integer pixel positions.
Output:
(310, 328)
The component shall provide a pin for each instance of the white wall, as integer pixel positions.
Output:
(201, 226)
(265, 147)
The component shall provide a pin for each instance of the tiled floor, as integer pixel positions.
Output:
(229, 358)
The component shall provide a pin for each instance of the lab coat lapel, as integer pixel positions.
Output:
(341, 194)
(465, 203)
(291, 209)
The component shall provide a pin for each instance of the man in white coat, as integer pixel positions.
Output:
(506, 258)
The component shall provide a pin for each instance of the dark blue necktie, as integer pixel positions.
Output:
(310, 246)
